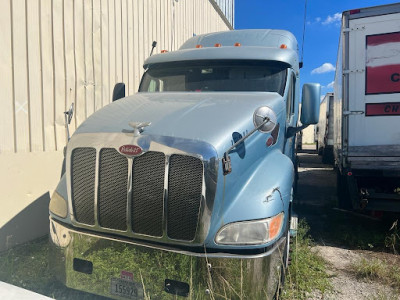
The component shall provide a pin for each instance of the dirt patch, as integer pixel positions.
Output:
(342, 238)
(345, 284)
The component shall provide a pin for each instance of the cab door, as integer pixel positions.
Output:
(291, 113)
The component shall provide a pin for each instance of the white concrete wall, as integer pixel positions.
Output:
(308, 135)
(55, 52)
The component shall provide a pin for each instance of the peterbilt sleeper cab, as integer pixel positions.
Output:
(185, 188)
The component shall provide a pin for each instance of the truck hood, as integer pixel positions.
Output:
(209, 117)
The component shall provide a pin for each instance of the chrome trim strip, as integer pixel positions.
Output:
(96, 188)
(129, 199)
(165, 203)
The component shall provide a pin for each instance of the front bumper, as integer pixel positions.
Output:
(95, 264)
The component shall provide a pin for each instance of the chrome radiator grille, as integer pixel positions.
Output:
(147, 209)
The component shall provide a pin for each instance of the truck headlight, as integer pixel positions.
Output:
(58, 205)
(250, 232)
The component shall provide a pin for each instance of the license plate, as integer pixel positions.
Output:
(126, 289)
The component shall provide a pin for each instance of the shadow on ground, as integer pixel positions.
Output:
(316, 201)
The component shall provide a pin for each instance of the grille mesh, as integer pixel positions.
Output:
(184, 195)
(185, 183)
(148, 193)
(113, 189)
(83, 181)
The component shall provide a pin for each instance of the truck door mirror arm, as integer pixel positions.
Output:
(291, 131)
(226, 160)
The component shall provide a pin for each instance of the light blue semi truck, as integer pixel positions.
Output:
(185, 188)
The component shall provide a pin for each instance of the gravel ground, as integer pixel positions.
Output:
(346, 285)
(315, 201)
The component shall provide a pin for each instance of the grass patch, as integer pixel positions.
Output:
(392, 240)
(27, 266)
(349, 230)
(377, 269)
(307, 272)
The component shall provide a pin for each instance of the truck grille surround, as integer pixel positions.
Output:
(137, 196)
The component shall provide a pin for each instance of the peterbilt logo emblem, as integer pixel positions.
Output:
(131, 150)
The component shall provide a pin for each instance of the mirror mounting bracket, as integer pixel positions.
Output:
(291, 131)
(226, 160)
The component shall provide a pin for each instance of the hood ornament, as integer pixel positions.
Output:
(138, 127)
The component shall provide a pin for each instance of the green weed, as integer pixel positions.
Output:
(307, 271)
(376, 269)
(392, 240)
(27, 266)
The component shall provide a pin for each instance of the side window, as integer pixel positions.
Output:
(291, 98)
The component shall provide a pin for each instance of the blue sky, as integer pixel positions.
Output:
(322, 29)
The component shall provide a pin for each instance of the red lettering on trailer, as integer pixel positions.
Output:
(382, 109)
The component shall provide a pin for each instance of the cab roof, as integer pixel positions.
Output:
(255, 44)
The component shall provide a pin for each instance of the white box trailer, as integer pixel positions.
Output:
(367, 109)
(324, 129)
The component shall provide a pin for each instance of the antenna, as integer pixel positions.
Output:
(304, 33)
(153, 45)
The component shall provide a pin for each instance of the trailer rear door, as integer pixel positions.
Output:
(374, 81)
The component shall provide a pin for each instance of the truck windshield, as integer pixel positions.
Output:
(215, 76)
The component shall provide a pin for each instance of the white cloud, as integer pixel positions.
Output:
(335, 19)
(318, 19)
(325, 68)
(328, 86)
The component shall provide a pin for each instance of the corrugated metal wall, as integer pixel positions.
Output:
(55, 52)
(228, 9)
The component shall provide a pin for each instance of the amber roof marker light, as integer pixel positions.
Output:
(283, 46)
(164, 51)
(217, 45)
(237, 44)
(199, 46)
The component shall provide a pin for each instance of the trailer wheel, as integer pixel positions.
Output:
(343, 194)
